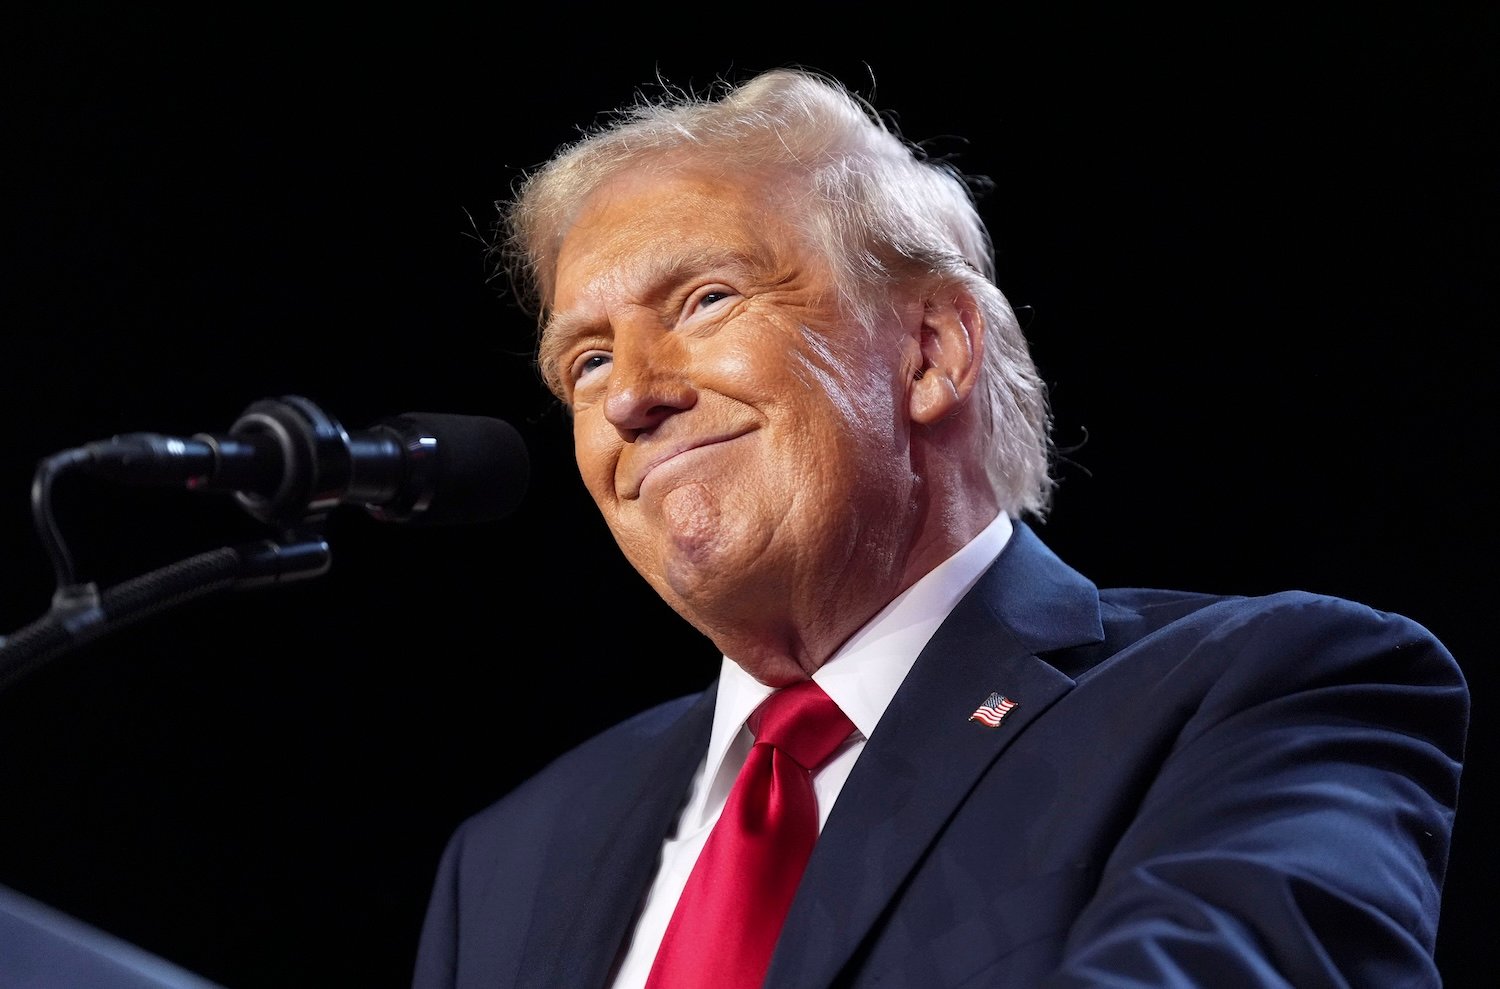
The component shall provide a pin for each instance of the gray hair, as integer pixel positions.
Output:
(875, 205)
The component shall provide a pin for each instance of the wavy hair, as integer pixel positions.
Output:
(873, 203)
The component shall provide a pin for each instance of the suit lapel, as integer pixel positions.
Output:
(606, 855)
(925, 754)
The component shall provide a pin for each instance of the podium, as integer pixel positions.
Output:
(44, 948)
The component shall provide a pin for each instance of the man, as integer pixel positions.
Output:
(811, 422)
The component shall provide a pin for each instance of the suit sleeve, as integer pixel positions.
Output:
(1297, 832)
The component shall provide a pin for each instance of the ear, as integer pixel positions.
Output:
(951, 340)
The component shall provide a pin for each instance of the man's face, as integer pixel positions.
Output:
(747, 447)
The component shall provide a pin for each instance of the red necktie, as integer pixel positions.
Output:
(730, 914)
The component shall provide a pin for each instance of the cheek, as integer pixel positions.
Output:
(595, 454)
(810, 373)
(741, 371)
(851, 390)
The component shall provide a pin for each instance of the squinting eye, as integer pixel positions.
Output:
(707, 299)
(589, 363)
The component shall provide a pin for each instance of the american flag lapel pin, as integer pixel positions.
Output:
(993, 710)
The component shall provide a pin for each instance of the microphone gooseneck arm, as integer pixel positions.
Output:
(287, 463)
(81, 613)
(41, 511)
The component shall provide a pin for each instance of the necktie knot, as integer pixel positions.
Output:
(801, 721)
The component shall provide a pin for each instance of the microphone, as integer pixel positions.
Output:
(286, 460)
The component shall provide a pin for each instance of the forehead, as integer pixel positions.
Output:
(643, 226)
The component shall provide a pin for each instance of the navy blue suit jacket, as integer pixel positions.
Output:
(1192, 791)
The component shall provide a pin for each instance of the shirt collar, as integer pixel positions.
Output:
(865, 672)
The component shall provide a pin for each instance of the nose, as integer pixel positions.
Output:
(649, 380)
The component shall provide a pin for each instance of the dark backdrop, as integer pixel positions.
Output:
(1256, 253)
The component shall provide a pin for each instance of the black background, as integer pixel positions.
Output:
(1256, 251)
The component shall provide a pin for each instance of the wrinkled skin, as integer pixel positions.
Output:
(768, 468)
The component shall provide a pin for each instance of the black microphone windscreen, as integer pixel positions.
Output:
(483, 468)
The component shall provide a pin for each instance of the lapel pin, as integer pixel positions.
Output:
(993, 710)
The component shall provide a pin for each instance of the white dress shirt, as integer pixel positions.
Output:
(861, 677)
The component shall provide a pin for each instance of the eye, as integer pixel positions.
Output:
(588, 363)
(706, 299)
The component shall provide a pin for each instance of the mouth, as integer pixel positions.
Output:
(678, 454)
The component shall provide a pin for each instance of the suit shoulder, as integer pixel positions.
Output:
(1292, 637)
(1297, 610)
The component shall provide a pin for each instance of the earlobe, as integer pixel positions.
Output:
(952, 341)
(934, 398)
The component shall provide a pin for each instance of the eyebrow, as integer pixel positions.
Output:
(657, 277)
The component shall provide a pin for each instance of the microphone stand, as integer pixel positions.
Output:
(80, 612)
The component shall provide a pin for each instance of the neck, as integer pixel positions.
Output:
(782, 645)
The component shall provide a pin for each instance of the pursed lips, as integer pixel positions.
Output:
(667, 455)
